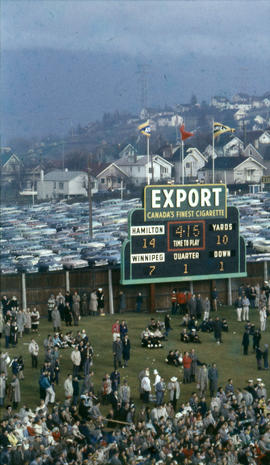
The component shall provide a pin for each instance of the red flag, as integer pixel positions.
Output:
(184, 134)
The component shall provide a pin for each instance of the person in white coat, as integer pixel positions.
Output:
(76, 360)
(68, 387)
(34, 350)
(263, 318)
(146, 387)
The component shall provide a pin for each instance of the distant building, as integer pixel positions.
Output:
(11, 167)
(194, 160)
(233, 170)
(134, 169)
(265, 138)
(59, 184)
(233, 148)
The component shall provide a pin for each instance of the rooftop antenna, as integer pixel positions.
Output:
(143, 72)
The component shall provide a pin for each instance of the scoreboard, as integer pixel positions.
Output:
(205, 244)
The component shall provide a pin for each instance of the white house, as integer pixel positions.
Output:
(240, 114)
(265, 138)
(194, 160)
(66, 183)
(138, 168)
(233, 170)
(134, 170)
(233, 148)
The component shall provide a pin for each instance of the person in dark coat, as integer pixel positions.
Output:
(100, 300)
(117, 353)
(192, 306)
(256, 339)
(68, 314)
(139, 301)
(259, 356)
(76, 390)
(265, 357)
(126, 350)
(213, 379)
(115, 379)
(199, 306)
(245, 342)
(122, 302)
(167, 323)
(217, 330)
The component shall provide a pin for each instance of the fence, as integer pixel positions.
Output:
(35, 289)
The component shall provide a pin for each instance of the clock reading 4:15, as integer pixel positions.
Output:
(188, 230)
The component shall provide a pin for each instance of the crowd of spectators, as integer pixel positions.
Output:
(232, 428)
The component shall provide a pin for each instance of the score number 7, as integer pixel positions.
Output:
(152, 269)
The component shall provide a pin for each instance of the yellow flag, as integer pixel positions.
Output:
(219, 128)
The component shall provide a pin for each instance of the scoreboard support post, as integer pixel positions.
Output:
(265, 270)
(191, 287)
(152, 292)
(229, 291)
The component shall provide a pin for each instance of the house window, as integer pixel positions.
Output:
(119, 180)
(102, 180)
(139, 169)
(54, 185)
(61, 185)
(150, 170)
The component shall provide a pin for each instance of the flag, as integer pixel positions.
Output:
(184, 134)
(219, 128)
(145, 129)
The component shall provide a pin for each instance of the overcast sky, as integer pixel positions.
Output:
(139, 26)
(78, 59)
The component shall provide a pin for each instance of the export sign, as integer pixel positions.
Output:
(189, 201)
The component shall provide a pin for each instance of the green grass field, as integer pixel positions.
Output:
(228, 356)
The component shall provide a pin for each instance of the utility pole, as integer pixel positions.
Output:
(89, 189)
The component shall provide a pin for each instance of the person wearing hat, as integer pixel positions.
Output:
(100, 301)
(146, 387)
(174, 391)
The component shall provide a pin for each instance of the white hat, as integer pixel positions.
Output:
(173, 379)
(155, 372)
(250, 380)
(100, 289)
(259, 379)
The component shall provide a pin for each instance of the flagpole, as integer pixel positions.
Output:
(148, 159)
(182, 164)
(213, 154)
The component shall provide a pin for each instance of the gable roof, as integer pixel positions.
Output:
(225, 163)
(7, 156)
(108, 166)
(255, 152)
(254, 161)
(58, 175)
(141, 160)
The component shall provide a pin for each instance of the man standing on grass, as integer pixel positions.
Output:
(33, 350)
(76, 360)
(117, 353)
(213, 379)
(146, 387)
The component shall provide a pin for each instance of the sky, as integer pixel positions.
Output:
(139, 31)
(139, 26)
